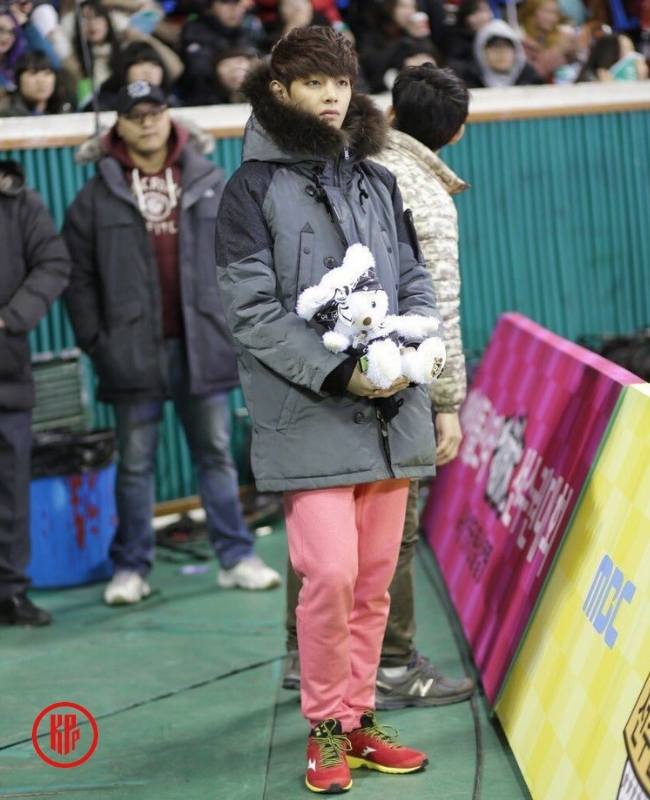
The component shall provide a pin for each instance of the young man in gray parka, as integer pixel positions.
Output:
(340, 450)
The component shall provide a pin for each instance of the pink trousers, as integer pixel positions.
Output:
(343, 543)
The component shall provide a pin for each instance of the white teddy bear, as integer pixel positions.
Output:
(352, 303)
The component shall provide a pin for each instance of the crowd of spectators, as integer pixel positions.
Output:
(74, 55)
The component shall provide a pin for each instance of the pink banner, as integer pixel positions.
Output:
(532, 422)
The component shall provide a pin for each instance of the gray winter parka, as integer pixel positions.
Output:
(114, 298)
(303, 192)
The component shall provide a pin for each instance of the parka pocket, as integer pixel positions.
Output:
(119, 351)
(14, 354)
(288, 409)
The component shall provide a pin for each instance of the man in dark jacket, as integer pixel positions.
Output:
(145, 306)
(34, 272)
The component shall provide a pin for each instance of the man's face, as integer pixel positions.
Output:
(145, 128)
(230, 14)
(500, 57)
(323, 96)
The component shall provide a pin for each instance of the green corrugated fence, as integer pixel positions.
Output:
(554, 226)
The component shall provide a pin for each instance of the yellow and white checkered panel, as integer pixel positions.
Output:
(576, 706)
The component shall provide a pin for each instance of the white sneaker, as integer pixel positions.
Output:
(250, 573)
(126, 587)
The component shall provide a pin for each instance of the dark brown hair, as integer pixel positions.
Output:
(312, 51)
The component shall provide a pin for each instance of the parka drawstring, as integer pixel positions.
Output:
(139, 192)
(317, 190)
(363, 194)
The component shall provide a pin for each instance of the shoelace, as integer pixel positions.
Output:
(426, 667)
(386, 734)
(332, 746)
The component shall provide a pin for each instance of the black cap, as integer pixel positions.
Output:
(138, 92)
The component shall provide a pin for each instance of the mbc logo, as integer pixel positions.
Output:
(608, 591)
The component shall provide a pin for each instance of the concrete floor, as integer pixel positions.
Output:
(186, 691)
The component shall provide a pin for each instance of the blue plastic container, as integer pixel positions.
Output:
(73, 519)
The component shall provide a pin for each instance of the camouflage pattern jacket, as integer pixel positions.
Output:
(427, 184)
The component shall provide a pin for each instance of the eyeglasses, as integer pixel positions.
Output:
(7, 31)
(140, 117)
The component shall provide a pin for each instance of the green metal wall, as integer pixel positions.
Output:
(556, 223)
(555, 226)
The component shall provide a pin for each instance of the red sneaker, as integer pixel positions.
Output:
(327, 770)
(375, 748)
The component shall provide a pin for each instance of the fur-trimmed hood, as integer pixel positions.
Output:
(282, 133)
(98, 146)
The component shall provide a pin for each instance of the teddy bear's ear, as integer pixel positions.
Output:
(311, 300)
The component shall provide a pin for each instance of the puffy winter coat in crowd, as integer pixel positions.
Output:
(427, 185)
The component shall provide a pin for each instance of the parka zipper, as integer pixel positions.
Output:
(343, 156)
(383, 426)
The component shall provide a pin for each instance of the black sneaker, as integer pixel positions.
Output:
(19, 610)
(291, 671)
(422, 685)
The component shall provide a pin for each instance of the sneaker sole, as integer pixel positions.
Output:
(121, 600)
(357, 763)
(231, 583)
(335, 788)
(392, 704)
(18, 624)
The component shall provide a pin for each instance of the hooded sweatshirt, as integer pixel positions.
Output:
(488, 77)
(158, 197)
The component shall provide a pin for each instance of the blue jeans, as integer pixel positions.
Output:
(206, 422)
